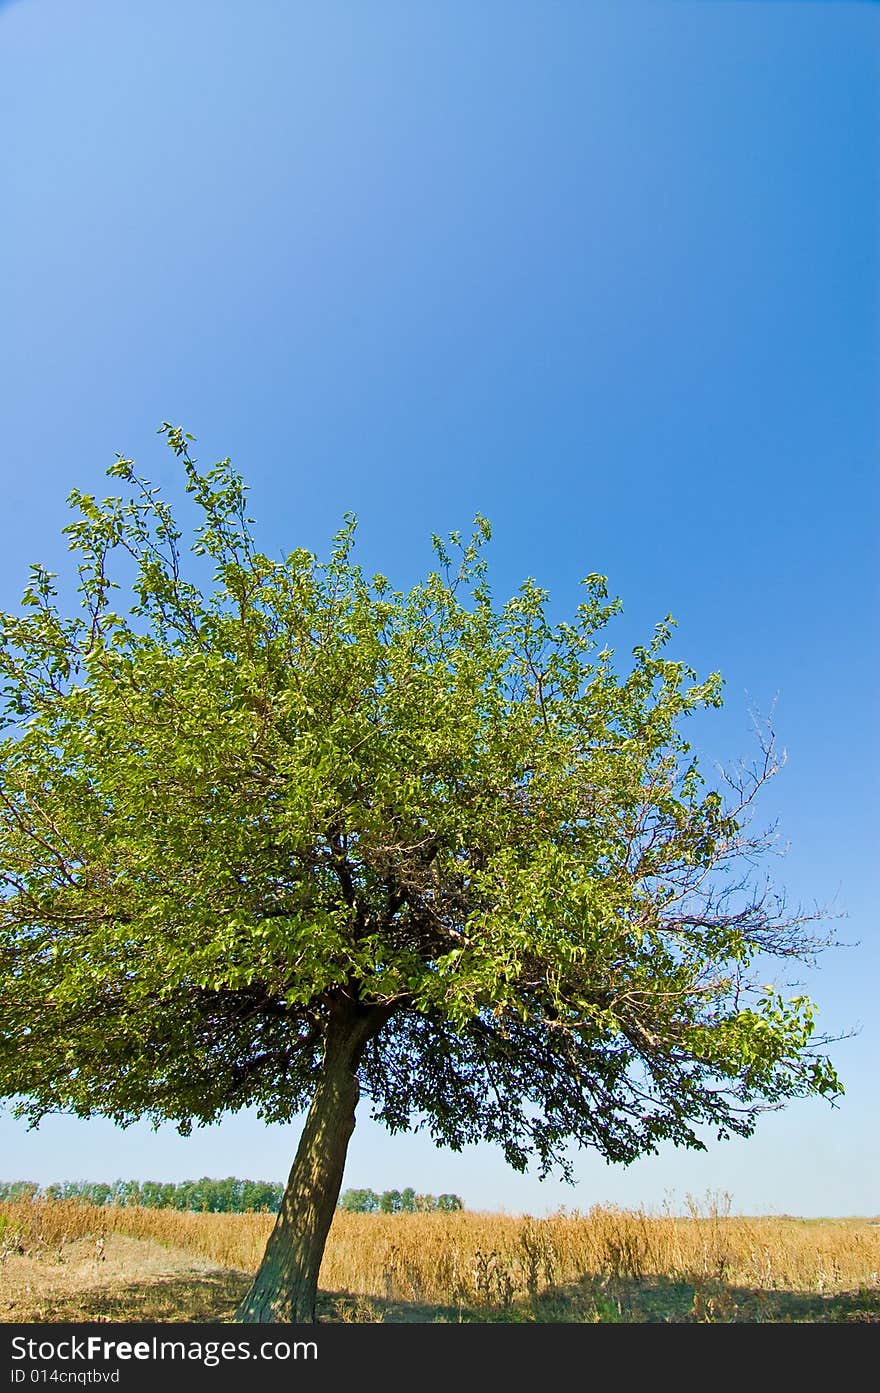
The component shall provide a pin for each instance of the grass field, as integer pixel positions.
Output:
(65, 1260)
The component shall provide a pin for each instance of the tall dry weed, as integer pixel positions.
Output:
(495, 1259)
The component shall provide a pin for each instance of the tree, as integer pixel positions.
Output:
(359, 1201)
(280, 835)
(449, 1203)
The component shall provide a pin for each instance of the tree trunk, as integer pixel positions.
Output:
(286, 1284)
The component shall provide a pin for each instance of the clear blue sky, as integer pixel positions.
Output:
(605, 272)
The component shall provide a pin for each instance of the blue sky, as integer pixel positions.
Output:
(607, 273)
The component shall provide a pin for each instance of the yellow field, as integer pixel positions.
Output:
(603, 1264)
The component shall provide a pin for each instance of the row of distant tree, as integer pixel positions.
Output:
(229, 1196)
(397, 1202)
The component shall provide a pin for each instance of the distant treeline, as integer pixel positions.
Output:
(230, 1196)
(397, 1202)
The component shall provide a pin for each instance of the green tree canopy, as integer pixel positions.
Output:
(291, 833)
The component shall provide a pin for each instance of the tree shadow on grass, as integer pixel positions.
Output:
(193, 1297)
(213, 1297)
(656, 1300)
(662, 1299)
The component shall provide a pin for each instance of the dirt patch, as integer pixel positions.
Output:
(120, 1279)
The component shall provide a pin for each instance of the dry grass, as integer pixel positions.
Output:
(126, 1279)
(604, 1264)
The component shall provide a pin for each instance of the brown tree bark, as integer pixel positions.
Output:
(286, 1284)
